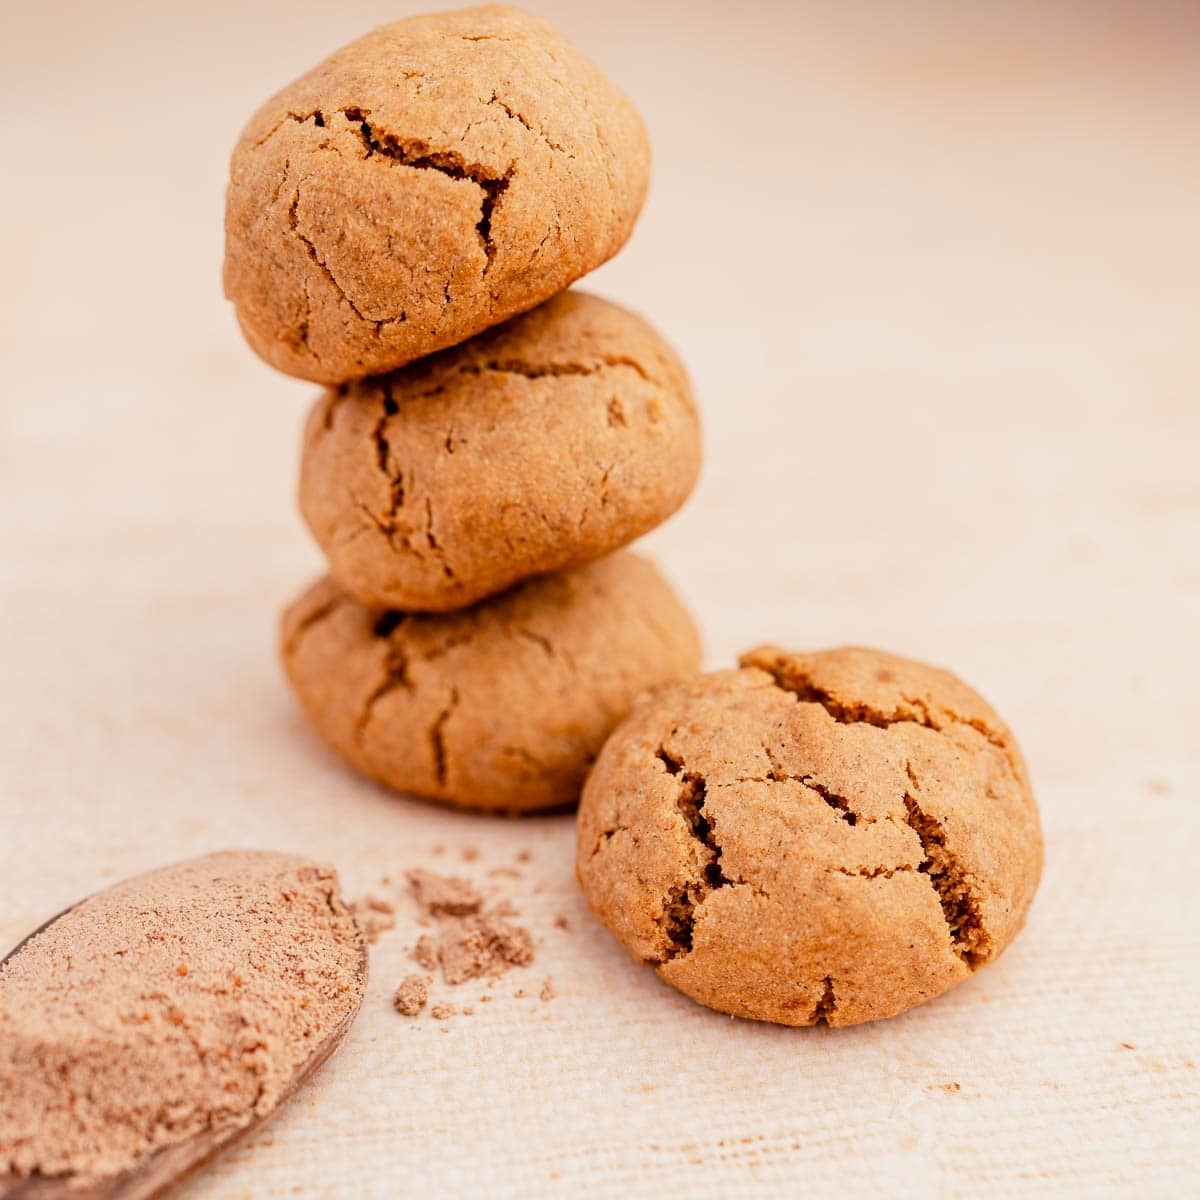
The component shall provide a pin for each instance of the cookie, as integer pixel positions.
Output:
(812, 838)
(542, 444)
(425, 182)
(501, 706)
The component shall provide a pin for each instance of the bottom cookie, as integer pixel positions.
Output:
(813, 838)
(501, 706)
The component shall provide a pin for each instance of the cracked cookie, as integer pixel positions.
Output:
(433, 178)
(812, 838)
(501, 706)
(542, 444)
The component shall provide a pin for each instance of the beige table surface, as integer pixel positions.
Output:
(936, 270)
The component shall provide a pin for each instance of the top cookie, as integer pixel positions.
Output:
(423, 183)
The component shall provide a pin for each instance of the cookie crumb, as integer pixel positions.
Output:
(438, 894)
(412, 995)
(374, 916)
(524, 856)
(548, 991)
(519, 994)
(425, 952)
(561, 922)
(469, 854)
(467, 939)
(468, 1011)
(483, 944)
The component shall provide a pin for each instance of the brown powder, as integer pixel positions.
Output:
(374, 916)
(481, 945)
(441, 1012)
(425, 952)
(179, 1003)
(441, 895)
(412, 995)
(548, 991)
(470, 941)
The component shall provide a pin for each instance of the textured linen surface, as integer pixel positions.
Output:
(936, 281)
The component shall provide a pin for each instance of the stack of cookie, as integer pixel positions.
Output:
(401, 225)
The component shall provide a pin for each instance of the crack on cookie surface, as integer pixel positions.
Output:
(386, 522)
(420, 155)
(432, 541)
(679, 907)
(960, 905)
(789, 676)
(521, 119)
(840, 805)
(395, 671)
(437, 739)
(530, 370)
(312, 619)
(293, 218)
(826, 1006)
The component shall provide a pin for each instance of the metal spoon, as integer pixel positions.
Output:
(158, 1173)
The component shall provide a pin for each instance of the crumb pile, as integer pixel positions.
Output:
(470, 937)
(375, 915)
(181, 1002)
(472, 941)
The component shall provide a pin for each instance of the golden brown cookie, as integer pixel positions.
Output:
(831, 837)
(502, 706)
(431, 179)
(545, 443)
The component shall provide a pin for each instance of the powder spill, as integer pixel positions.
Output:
(412, 995)
(444, 895)
(425, 952)
(482, 944)
(374, 916)
(182, 1003)
(469, 939)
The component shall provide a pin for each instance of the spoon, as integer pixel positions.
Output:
(157, 1173)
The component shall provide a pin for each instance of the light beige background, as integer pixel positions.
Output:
(936, 270)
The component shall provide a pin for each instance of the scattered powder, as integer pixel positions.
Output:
(374, 916)
(412, 995)
(519, 994)
(524, 856)
(182, 1002)
(481, 945)
(441, 1012)
(468, 1011)
(444, 895)
(561, 922)
(470, 940)
(548, 991)
(425, 952)
(469, 854)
